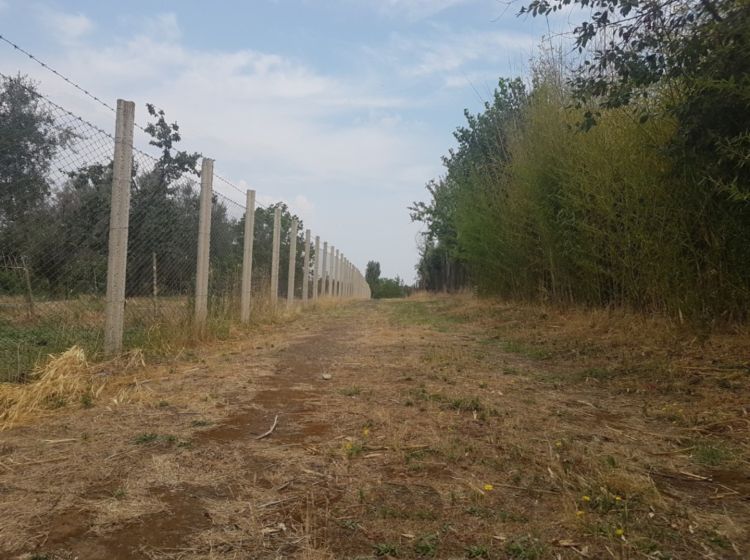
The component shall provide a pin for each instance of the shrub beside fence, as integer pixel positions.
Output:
(105, 246)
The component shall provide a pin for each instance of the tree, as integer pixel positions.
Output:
(688, 57)
(372, 275)
(29, 141)
(390, 288)
(164, 213)
(473, 172)
(264, 217)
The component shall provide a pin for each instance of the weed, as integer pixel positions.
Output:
(145, 438)
(712, 454)
(163, 404)
(350, 391)
(385, 549)
(481, 512)
(509, 516)
(472, 404)
(350, 524)
(524, 548)
(118, 494)
(598, 374)
(477, 551)
(353, 449)
(87, 401)
(200, 423)
(54, 401)
(526, 350)
(719, 541)
(426, 546)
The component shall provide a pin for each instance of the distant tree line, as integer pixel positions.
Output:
(384, 287)
(623, 181)
(59, 228)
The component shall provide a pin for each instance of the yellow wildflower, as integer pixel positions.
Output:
(586, 498)
(366, 432)
(580, 513)
(619, 532)
(489, 487)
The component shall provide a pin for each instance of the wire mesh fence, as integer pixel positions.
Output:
(57, 179)
(161, 256)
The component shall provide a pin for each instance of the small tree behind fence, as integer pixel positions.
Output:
(73, 270)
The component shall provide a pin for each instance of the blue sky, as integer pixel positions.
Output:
(341, 108)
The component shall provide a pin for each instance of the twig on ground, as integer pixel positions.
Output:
(270, 430)
(120, 453)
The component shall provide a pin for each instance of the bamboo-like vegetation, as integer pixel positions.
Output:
(534, 207)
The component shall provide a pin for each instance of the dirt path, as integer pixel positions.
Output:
(405, 429)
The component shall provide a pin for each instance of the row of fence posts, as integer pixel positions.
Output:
(335, 277)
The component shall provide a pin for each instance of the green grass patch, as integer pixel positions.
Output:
(435, 314)
(525, 548)
(713, 454)
(385, 549)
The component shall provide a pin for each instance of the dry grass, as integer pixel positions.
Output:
(449, 428)
(62, 378)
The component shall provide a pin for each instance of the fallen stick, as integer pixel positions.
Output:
(27, 463)
(270, 430)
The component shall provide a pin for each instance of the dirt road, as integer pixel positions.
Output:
(412, 429)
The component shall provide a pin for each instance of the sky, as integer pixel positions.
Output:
(340, 108)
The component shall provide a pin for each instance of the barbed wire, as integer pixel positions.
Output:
(232, 185)
(90, 95)
(35, 93)
(56, 73)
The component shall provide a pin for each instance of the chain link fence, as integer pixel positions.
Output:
(56, 185)
(55, 178)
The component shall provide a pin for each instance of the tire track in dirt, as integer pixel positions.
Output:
(292, 392)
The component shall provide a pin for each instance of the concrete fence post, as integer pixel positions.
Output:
(345, 286)
(324, 271)
(204, 245)
(333, 260)
(306, 268)
(247, 257)
(336, 265)
(119, 215)
(292, 263)
(316, 268)
(275, 255)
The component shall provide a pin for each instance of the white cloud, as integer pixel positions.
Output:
(344, 156)
(163, 25)
(414, 9)
(65, 27)
(453, 51)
